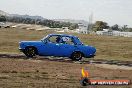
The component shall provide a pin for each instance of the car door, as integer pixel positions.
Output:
(66, 46)
(50, 47)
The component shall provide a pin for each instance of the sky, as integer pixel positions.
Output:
(110, 11)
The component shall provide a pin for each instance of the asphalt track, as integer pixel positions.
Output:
(62, 59)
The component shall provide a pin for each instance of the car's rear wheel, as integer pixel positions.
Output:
(30, 51)
(76, 56)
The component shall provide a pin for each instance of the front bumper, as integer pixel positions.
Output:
(21, 50)
(90, 56)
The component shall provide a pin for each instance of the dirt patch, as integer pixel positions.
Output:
(107, 66)
(21, 73)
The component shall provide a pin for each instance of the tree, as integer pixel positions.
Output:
(2, 18)
(115, 27)
(73, 26)
(100, 25)
(124, 28)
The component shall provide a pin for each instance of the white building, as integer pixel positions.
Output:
(82, 28)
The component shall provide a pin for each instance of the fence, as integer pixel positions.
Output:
(114, 33)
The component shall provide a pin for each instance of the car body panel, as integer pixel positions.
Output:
(47, 48)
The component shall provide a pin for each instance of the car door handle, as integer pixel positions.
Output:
(75, 45)
(57, 44)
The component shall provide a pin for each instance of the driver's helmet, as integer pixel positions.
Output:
(58, 39)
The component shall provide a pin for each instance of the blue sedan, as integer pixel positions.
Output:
(60, 45)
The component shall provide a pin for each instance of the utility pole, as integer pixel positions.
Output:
(89, 28)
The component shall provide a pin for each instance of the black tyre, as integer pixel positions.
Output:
(85, 82)
(30, 51)
(76, 56)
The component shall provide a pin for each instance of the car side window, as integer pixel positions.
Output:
(67, 40)
(54, 39)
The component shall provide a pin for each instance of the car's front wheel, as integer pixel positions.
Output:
(30, 51)
(76, 56)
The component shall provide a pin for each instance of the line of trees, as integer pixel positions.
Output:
(97, 26)
(100, 25)
(125, 28)
(45, 22)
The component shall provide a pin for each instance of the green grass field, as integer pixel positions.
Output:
(108, 47)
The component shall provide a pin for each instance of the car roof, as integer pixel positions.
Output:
(62, 35)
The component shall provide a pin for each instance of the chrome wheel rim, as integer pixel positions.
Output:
(77, 55)
(30, 52)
